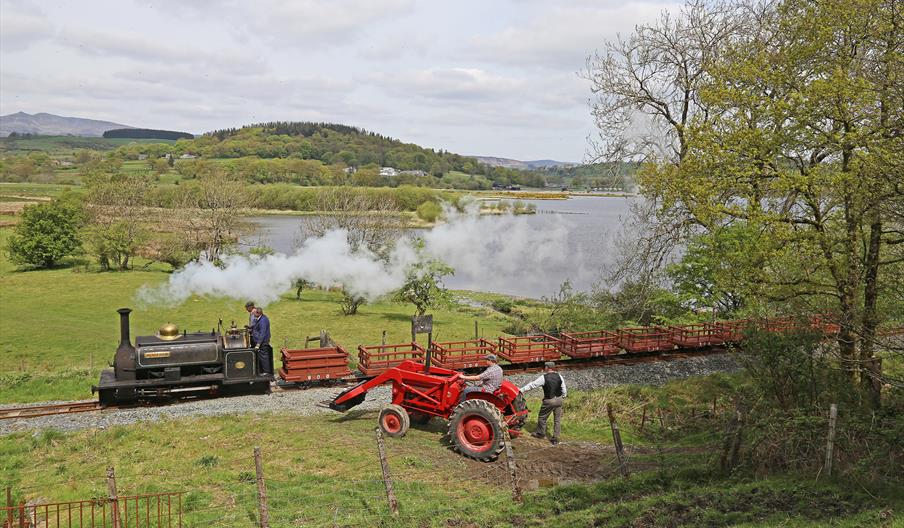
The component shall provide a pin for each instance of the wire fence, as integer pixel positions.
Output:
(294, 486)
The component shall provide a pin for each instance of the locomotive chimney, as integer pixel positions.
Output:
(124, 340)
(124, 360)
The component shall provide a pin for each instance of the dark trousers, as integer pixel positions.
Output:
(551, 406)
(265, 359)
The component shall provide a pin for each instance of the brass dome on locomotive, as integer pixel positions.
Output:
(168, 332)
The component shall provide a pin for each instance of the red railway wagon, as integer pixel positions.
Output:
(645, 339)
(695, 335)
(828, 324)
(314, 364)
(373, 360)
(458, 355)
(529, 349)
(731, 331)
(590, 344)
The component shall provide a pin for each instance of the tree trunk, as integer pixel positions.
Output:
(868, 367)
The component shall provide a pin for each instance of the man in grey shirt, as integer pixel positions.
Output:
(554, 392)
(490, 379)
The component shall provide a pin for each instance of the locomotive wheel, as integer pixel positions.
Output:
(517, 406)
(476, 430)
(394, 421)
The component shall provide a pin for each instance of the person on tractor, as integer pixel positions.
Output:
(490, 379)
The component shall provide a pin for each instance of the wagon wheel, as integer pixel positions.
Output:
(394, 421)
(476, 430)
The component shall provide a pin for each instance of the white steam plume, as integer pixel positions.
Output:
(505, 247)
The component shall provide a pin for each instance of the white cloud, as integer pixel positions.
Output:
(22, 25)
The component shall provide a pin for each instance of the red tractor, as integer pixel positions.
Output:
(476, 425)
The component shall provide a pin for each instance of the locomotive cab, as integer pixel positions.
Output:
(171, 363)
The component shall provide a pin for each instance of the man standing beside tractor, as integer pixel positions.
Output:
(554, 392)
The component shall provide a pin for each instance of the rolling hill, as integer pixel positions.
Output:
(53, 125)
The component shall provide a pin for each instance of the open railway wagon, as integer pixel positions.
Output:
(312, 365)
(476, 425)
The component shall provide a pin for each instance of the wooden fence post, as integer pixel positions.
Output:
(830, 442)
(114, 498)
(387, 478)
(476, 333)
(261, 489)
(616, 438)
(510, 460)
(643, 419)
(731, 446)
(9, 505)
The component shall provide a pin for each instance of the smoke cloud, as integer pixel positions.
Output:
(506, 247)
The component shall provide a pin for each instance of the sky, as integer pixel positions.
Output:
(486, 77)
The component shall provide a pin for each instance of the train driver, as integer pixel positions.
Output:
(260, 336)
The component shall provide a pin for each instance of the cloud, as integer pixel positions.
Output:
(561, 37)
(459, 84)
(22, 25)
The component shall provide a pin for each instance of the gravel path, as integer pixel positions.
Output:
(304, 402)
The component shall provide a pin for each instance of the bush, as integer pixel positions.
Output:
(47, 233)
(429, 211)
(503, 305)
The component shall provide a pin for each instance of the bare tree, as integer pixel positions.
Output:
(210, 212)
(370, 221)
(117, 217)
(647, 85)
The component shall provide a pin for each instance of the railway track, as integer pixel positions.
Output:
(33, 411)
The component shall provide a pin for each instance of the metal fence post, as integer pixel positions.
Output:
(830, 442)
(114, 499)
(616, 439)
(510, 460)
(261, 489)
(387, 478)
(9, 506)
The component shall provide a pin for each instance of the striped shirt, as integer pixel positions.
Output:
(491, 378)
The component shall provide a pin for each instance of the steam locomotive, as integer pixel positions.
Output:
(177, 364)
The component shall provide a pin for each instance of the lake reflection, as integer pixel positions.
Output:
(528, 255)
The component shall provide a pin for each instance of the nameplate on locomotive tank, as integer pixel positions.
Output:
(191, 349)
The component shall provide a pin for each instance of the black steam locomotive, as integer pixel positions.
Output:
(173, 364)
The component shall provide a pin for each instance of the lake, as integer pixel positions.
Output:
(525, 255)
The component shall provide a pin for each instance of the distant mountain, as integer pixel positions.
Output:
(54, 125)
(523, 165)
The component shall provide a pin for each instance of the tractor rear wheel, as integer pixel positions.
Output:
(476, 430)
(394, 421)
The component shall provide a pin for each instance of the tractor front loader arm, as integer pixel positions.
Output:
(355, 395)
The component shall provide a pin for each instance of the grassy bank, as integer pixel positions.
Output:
(337, 483)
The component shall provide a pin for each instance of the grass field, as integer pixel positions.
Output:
(323, 471)
(63, 145)
(60, 327)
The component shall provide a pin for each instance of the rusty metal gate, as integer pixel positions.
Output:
(156, 510)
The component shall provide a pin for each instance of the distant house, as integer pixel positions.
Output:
(142, 156)
(388, 171)
(350, 170)
(187, 156)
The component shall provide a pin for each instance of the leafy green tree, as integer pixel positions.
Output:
(804, 144)
(47, 233)
(424, 282)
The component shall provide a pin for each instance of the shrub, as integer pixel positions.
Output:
(47, 233)
(503, 305)
(429, 211)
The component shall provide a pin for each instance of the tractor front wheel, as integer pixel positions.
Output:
(394, 421)
(476, 430)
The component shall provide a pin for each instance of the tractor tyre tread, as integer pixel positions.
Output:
(403, 417)
(488, 411)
